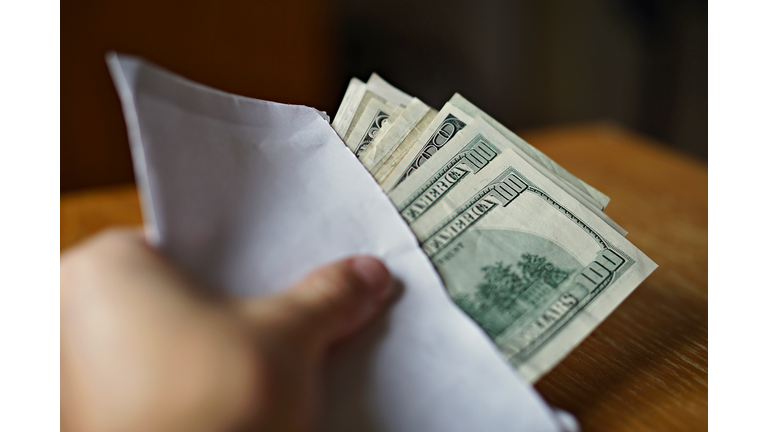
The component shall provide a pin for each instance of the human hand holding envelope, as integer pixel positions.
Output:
(249, 196)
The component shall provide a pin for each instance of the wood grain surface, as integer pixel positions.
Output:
(645, 367)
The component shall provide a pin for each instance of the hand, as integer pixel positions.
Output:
(144, 348)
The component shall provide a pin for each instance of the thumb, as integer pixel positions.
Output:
(330, 303)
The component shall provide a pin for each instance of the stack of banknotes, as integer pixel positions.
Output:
(522, 245)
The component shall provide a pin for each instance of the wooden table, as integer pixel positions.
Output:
(645, 367)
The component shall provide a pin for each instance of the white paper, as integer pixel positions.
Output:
(251, 195)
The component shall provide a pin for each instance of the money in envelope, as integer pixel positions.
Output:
(505, 260)
(522, 245)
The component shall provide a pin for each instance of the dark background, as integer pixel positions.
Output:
(640, 64)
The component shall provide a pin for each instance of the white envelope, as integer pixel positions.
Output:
(250, 195)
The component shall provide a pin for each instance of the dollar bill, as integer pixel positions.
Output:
(577, 185)
(358, 96)
(403, 147)
(535, 268)
(464, 156)
(367, 155)
(386, 90)
(392, 134)
(368, 122)
(352, 97)
(448, 122)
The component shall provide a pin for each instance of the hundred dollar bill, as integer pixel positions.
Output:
(581, 187)
(392, 134)
(441, 132)
(389, 92)
(465, 156)
(448, 122)
(349, 103)
(403, 147)
(531, 265)
(368, 153)
(358, 95)
(369, 121)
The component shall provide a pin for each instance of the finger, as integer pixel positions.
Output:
(330, 303)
